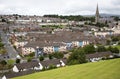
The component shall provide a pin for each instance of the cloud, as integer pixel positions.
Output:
(64, 7)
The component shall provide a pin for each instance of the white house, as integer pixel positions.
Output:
(46, 47)
(80, 43)
(4, 77)
(53, 62)
(26, 66)
(98, 56)
(103, 33)
(27, 50)
(20, 34)
(20, 43)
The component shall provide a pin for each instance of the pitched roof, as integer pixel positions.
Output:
(27, 65)
(50, 62)
(98, 54)
(13, 74)
(43, 44)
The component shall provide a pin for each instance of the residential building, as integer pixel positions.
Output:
(98, 56)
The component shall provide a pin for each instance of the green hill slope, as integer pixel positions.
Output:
(109, 69)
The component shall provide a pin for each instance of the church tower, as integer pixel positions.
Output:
(97, 15)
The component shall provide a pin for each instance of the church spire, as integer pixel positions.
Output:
(97, 14)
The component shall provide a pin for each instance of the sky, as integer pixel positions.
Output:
(60, 7)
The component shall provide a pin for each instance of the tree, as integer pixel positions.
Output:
(15, 47)
(32, 54)
(106, 22)
(3, 51)
(50, 56)
(108, 42)
(52, 67)
(58, 55)
(1, 45)
(89, 49)
(4, 20)
(101, 49)
(41, 58)
(3, 62)
(115, 39)
(119, 43)
(29, 59)
(116, 18)
(77, 57)
(113, 49)
(18, 61)
(86, 23)
(14, 30)
(73, 62)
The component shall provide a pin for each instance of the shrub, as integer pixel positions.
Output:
(18, 61)
(89, 49)
(58, 55)
(29, 59)
(101, 49)
(50, 56)
(52, 67)
(3, 62)
(41, 58)
(77, 57)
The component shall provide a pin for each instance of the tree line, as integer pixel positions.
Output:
(72, 17)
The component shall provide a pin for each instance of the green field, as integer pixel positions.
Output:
(108, 69)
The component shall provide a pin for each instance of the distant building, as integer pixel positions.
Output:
(98, 56)
(97, 16)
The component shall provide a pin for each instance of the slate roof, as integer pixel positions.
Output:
(50, 62)
(43, 44)
(98, 54)
(13, 74)
(27, 65)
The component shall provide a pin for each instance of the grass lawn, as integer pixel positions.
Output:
(108, 69)
(11, 61)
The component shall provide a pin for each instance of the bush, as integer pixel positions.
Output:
(11, 62)
(73, 62)
(50, 56)
(3, 51)
(3, 62)
(119, 43)
(15, 47)
(32, 54)
(41, 58)
(113, 49)
(52, 67)
(1, 45)
(43, 69)
(77, 57)
(18, 61)
(115, 39)
(58, 55)
(89, 49)
(29, 59)
(101, 49)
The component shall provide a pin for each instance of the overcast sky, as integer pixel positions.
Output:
(61, 7)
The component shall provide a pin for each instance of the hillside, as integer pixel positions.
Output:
(109, 69)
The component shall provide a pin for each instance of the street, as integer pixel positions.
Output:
(12, 53)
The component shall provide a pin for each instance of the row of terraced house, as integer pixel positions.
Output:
(49, 43)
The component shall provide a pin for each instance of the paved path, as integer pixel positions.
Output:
(12, 53)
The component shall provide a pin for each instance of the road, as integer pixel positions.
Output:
(12, 53)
